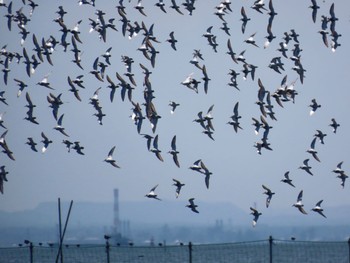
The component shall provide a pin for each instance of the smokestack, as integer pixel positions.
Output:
(116, 212)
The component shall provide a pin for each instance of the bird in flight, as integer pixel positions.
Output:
(192, 205)
(256, 214)
(110, 159)
(299, 203)
(317, 208)
(152, 194)
(178, 185)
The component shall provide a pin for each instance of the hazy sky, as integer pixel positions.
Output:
(238, 171)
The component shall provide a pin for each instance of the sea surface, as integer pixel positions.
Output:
(255, 251)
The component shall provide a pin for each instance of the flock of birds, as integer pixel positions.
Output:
(67, 41)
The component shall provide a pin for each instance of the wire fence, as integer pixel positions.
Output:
(269, 251)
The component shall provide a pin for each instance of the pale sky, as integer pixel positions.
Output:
(238, 171)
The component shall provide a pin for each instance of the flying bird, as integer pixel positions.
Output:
(46, 141)
(317, 208)
(173, 106)
(140, 8)
(155, 149)
(314, 8)
(251, 40)
(306, 167)
(256, 214)
(299, 203)
(192, 205)
(207, 174)
(178, 185)
(287, 180)
(110, 159)
(320, 135)
(312, 150)
(45, 82)
(59, 126)
(32, 144)
(172, 40)
(334, 125)
(152, 194)
(21, 85)
(314, 106)
(269, 194)
(175, 7)
(244, 19)
(196, 166)
(174, 152)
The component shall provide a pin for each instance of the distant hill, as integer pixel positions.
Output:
(164, 212)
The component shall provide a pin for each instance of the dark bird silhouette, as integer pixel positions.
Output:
(314, 8)
(230, 51)
(174, 151)
(149, 140)
(21, 85)
(287, 180)
(46, 141)
(314, 106)
(78, 148)
(172, 40)
(206, 79)
(173, 106)
(155, 149)
(32, 144)
(256, 214)
(244, 19)
(113, 88)
(55, 103)
(73, 89)
(30, 111)
(2, 97)
(320, 135)
(334, 125)
(140, 8)
(306, 167)
(192, 205)
(178, 185)
(207, 174)
(175, 7)
(269, 194)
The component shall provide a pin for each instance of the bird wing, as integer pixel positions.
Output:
(173, 143)
(110, 153)
(300, 196)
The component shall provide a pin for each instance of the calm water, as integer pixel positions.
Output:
(256, 251)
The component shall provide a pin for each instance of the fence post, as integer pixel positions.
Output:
(190, 251)
(349, 248)
(107, 250)
(270, 247)
(31, 250)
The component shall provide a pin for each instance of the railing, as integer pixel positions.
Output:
(269, 251)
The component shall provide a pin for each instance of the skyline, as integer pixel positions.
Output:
(238, 171)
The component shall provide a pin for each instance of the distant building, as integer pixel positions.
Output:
(121, 228)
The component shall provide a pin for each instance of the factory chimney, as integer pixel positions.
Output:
(116, 223)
